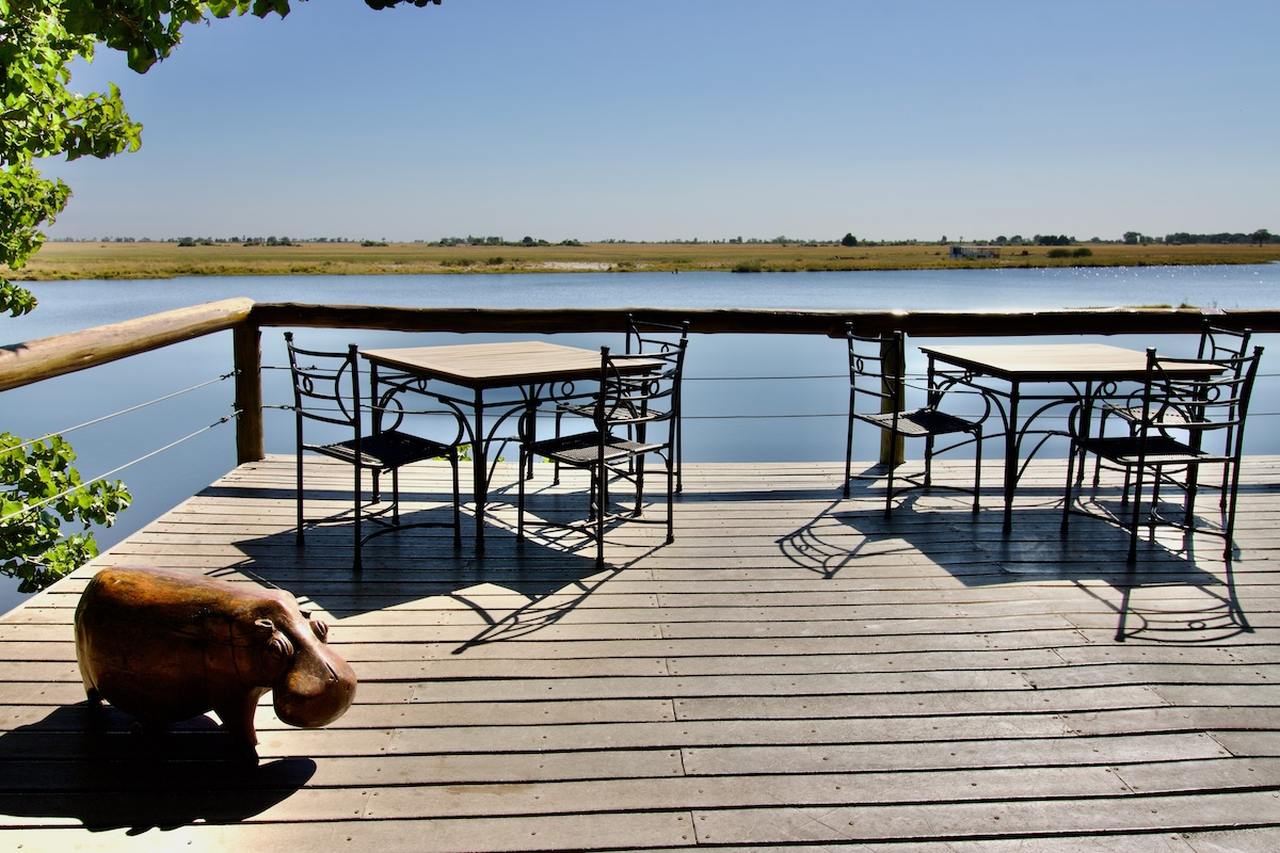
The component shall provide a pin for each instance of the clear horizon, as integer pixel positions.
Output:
(590, 121)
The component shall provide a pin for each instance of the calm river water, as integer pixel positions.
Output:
(730, 415)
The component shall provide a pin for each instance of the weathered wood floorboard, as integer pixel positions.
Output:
(794, 670)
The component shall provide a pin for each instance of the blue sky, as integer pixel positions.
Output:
(700, 118)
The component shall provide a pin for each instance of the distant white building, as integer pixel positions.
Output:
(971, 252)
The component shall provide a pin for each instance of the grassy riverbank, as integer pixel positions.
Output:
(165, 260)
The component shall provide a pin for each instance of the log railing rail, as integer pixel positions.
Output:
(34, 361)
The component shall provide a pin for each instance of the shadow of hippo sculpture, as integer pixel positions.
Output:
(166, 646)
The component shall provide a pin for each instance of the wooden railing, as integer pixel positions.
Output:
(34, 361)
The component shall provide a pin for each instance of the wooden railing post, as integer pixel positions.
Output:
(892, 445)
(247, 344)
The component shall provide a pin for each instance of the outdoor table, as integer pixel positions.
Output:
(504, 379)
(1091, 372)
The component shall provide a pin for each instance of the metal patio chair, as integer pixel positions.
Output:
(326, 388)
(1212, 408)
(1215, 344)
(875, 364)
(644, 337)
(633, 415)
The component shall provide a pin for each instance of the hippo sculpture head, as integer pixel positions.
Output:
(166, 646)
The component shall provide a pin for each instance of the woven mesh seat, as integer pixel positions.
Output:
(919, 423)
(1156, 450)
(385, 451)
(584, 448)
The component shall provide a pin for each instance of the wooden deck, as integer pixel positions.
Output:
(792, 671)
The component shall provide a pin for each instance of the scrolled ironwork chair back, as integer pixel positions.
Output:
(630, 399)
(654, 337)
(1204, 404)
(326, 385)
(873, 368)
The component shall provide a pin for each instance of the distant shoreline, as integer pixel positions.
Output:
(73, 261)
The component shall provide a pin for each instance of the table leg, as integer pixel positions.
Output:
(1085, 427)
(479, 466)
(1011, 456)
(531, 412)
(376, 421)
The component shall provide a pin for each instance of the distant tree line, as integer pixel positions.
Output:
(1261, 236)
(471, 240)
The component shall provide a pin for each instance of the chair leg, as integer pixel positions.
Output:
(1230, 525)
(638, 509)
(888, 495)
(1135, 522)
(1154, 508)
(977, 468)
(1193, 487)
(1124, 496)
(600, 513)
(1067, 496)
(848, 450)
(1097, 460)
(457, 501)
(299, 496)
(928, 461)
(679, 444)
(555, 466)
(358, 565)
(520, 501)
(671, 526)
(395, 496)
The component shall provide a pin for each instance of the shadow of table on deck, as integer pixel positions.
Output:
(971, 548)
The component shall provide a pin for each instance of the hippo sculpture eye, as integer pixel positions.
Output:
(277, 642)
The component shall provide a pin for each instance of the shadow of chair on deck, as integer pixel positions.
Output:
(514, 589)
(87, 763)
(973, 551)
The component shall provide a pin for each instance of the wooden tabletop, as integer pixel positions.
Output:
(497, 365)
(1054, 362)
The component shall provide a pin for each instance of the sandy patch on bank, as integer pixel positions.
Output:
(577, 266)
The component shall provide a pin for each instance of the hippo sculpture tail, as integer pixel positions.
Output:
(166, 646)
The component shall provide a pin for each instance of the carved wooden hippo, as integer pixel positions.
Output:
(165, 646)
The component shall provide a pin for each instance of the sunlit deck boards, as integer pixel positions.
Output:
(793, 670)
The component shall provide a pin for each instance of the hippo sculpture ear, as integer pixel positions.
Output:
(318, 626)
(277, 643)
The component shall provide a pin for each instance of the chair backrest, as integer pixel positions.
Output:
(875, 368)
(1217, 342)
(326, 385)
(1217, 399)
(653, 336)
(651, 396)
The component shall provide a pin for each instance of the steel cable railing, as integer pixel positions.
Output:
(547, 416)
(88, 482)
(116, 470)
(126, 411)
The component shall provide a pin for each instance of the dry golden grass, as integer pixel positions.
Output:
(166, 260)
